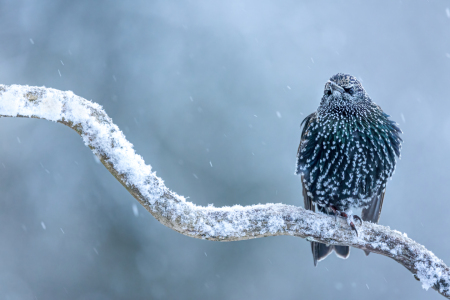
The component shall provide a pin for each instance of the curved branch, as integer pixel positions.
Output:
(217, 224)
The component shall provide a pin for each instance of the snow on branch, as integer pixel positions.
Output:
(234, 223)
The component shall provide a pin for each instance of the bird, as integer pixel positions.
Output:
(348, 150)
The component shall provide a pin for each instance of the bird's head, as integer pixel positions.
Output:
(344, 92)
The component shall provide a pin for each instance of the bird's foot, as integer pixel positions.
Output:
(351, 219)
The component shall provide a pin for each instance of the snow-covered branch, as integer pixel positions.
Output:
(212, 223)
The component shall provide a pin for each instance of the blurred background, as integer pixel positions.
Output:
(211, 94)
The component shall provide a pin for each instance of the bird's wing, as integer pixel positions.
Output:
(306, 122)
(303, 140)
(309, 205)
(373, 211)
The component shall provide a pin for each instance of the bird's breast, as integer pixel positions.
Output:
(343, 164)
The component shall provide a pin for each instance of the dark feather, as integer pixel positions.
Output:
(309, 205)
(342, 251)
(320, 251)
(373, 211)
(305, 123)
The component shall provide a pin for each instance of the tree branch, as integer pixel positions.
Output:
(235, 223)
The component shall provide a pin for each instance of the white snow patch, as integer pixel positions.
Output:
(430, 271)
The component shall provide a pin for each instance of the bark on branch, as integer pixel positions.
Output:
(212, 223)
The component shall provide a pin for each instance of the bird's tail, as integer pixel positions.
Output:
(321, 251)
(342, 251)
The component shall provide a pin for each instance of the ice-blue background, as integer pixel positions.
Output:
(194, 82)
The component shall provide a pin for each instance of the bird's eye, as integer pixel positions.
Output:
(350, 90)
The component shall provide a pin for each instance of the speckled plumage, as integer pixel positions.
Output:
(347, 152)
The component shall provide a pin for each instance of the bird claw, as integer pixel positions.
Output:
(358, 219)
(352, 225)
(350, 218)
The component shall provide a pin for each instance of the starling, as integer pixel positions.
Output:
(347, 152)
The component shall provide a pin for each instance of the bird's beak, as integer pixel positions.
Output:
(331, 86)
